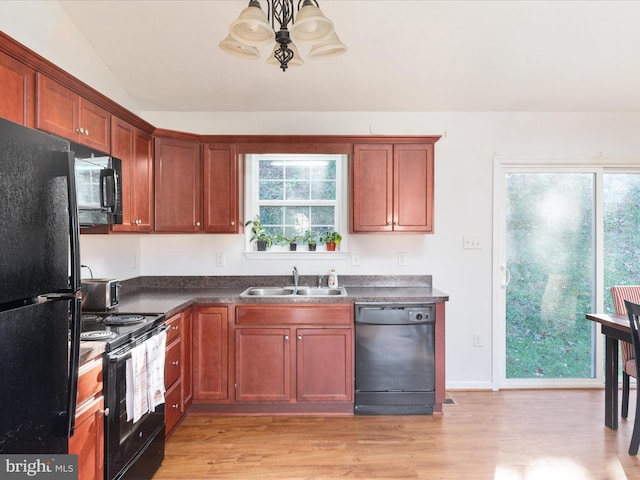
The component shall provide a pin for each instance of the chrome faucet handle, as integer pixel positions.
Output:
(319, 281)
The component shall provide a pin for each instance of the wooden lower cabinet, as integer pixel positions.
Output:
(322, 371)
(210, 354)
(308, 358)
(177, 370)
(88, 438)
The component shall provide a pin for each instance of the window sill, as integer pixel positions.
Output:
(298, 255)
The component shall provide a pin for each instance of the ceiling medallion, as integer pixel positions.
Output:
(253, 29)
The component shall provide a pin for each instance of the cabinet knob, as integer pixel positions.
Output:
(299, 337)
(197, 224)
(176, 363)
(175, 405)
(233, 223)
(286, 337)
(389, 223)
(175, 327)
(86, 132)
(105, 412)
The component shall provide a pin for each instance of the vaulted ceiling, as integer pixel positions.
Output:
(403, 55)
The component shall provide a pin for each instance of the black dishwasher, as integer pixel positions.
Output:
(394, 354)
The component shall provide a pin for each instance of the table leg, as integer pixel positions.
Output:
(611, 383)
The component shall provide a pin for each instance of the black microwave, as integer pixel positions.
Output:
(99, 190)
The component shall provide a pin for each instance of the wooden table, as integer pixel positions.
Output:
(614, 328)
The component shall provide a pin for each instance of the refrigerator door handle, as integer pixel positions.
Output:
(74, 227)
(74, 365)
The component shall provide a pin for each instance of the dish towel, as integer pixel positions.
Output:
(137, 402)
(156, 346)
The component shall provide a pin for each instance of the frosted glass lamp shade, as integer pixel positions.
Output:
(252, 27)
(238, 49)
(329, 48)
(310, 25)
(296, 61)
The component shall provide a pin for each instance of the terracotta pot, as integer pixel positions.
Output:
(331, 246)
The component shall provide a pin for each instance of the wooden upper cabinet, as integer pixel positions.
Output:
(64, 113)
(17, 89)
(392, 188)
(178, 185)
(221, 189)
(134, 148)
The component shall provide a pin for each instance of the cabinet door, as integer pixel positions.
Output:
(64, 113)
(94, 126)
(324, 364)
(88, 440)
(178, 186)
(221, 197)
(17, 83)
(372, 188)
(413, 188)
(263, 365)
(210, 353)
(57, 109)
(134, 148)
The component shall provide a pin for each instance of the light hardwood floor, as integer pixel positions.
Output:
(507, 435)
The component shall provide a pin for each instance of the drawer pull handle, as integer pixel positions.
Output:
(176, 363)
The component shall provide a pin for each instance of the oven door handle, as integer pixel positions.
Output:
(114, 358)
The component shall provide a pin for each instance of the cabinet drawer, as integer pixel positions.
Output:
(89, 380)
(341, 314)
(172, 407)
(175, 328)
(172, 363)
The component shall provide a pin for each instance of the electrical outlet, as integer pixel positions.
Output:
(471, 242)
(220, 260)
(355, 260)
(477, 340)
(402, 259)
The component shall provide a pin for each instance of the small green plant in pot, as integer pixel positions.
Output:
(311, 240)
(332, 239)
(293, 241)
(259, 234)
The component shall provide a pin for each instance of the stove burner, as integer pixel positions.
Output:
(122, 319)
(85, 318)
(97, 335)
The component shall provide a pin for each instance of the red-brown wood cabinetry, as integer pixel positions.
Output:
(294, 353)
(134, 148)
(64, 113)
(88, 438)
(221, 189)
(392, 188)
(178, 185)
(18, 91)
(210, 354)
(177, 370)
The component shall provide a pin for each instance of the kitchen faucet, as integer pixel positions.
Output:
(296, 277)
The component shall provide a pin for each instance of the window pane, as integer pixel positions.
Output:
(549, 247)
(270, 190)
(271, 216)
(323, 190)
(271, 170)
(621, 239)
(298, 190)
(323, 216)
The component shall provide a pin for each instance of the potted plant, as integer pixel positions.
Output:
(311, 239)
(259, 234)
(332, 239)
(292, 241)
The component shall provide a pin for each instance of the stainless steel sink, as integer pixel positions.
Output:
(320, 292)
(269, 291)
(291, 291)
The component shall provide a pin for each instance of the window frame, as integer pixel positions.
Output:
(341, 207)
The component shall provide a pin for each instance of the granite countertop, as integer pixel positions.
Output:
(169, 295)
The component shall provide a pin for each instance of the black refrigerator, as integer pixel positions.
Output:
(39, 280)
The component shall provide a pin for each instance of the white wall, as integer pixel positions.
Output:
(464, 162)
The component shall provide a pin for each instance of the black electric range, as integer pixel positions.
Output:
(117, 329)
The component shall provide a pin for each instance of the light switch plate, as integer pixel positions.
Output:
(471, 242)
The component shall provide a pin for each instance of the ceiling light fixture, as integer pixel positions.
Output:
(253, 29)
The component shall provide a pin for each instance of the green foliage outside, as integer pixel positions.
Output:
(551, 259)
